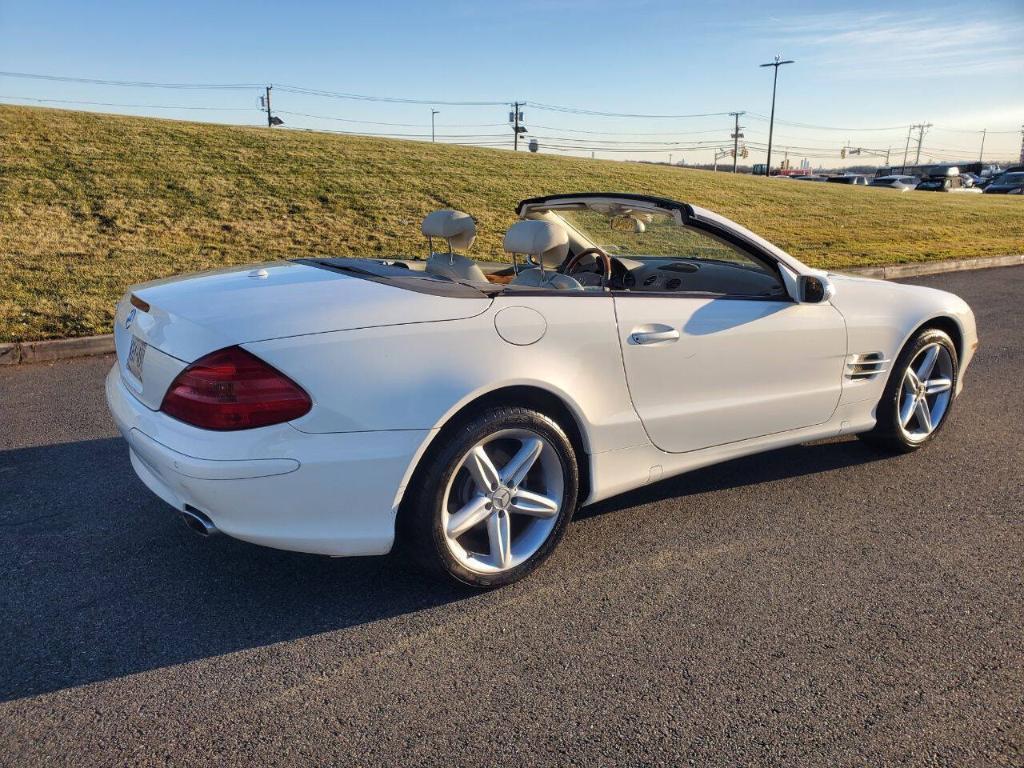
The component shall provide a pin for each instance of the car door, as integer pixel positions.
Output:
(706, 369)
(709, 371)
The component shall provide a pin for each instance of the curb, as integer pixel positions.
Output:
(55, 349)
(63, 349)
(896, 271)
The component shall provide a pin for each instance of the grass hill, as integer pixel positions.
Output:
(90, 204)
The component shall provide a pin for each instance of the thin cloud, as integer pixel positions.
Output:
(886, 44)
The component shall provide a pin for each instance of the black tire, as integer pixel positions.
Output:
(420, 531)
(887, 435)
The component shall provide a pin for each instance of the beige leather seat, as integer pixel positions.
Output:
(546, 245)
(459, 231)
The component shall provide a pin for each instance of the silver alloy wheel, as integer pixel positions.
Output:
(502, 501)
(925, 392)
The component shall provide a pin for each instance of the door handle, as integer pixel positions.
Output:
(653, 337)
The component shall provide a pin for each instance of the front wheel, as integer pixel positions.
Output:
(493, 502)
(919, 395)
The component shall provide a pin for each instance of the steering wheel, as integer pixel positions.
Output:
(599, 256)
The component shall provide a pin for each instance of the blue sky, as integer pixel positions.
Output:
(859, 66)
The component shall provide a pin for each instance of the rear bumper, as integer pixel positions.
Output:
(331, 494)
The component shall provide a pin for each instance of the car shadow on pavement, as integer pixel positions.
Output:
(101, 579)
(780, 464)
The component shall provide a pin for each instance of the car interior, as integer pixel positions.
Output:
(602, 246)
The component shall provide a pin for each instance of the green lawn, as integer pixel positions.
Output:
(90, 204)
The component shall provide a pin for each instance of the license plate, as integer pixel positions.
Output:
(136, 354)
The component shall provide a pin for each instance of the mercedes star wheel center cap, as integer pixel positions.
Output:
(501, 498)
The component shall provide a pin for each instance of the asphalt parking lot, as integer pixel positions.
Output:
(818, 605)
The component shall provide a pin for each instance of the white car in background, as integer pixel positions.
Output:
(899, 183)
(335, 405)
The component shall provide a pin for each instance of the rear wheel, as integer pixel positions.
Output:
(919, 395)
(494, 501)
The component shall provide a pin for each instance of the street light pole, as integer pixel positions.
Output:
(433, 112)
(778, 62)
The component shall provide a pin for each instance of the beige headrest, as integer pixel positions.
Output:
(544, 242)
(454, 226)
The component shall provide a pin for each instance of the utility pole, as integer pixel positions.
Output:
(515, 126)
(736, 136)
(906, 149)
(266, 103)
(771, 121)
(981, 153)
(433, 112)
(921, 128)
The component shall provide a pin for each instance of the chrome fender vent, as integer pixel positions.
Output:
(867, 365)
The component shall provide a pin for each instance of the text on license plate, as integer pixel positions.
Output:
(135, 356)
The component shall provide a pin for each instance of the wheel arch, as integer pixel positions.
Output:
(554, 404)
(946, 323)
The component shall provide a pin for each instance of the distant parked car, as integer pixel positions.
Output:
(970, 179)
(901, 183)
(941, 178)
(998, 174)
(849, 178)
(1007, 184)
(809, 177)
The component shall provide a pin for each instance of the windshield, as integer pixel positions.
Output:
(623, 232)
(1011, 178)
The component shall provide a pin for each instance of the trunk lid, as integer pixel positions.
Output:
(162, 326)
(187, 317)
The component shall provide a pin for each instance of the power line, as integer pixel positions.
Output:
(676, 144)
(968, 130)
(598, 113)
(132, 83)
(630, 133)
(591, 140)
(793, 124)
(394, 125)
(550, 143)
(389, 99)
(134, 106)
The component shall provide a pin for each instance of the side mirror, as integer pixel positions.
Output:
(814, 289)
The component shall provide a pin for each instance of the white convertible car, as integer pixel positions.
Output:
(465, 410)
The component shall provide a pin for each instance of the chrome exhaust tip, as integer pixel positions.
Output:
(198, 522)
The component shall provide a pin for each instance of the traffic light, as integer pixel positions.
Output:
(842, 153)
(745, 153)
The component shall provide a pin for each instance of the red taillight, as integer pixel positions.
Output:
(233, 389)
